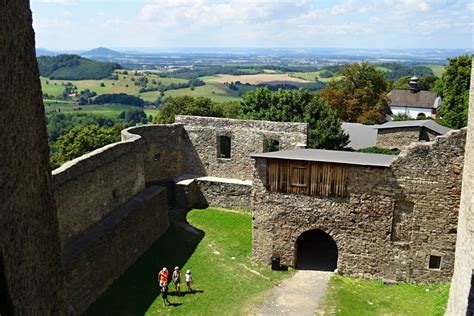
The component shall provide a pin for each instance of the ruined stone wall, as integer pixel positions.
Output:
(390, 223)
(95, 259)
(226, 193)
(162, 148)
(247, 137)
(88, 188)
(430, 177)
(397, 137)
(31, 281)
(464, 264)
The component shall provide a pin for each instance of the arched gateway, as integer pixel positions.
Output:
(316, 250)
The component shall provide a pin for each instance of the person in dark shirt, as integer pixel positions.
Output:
(164, 294)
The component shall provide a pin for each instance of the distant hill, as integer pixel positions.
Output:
(45, 52)
(101, 51)
(74, 67)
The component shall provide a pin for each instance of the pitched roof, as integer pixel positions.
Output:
(430, 124)
(360, 135)
(420, 99)
(333, 156)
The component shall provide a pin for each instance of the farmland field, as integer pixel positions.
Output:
(312, 75)
(217, 92)
(106, 110)
(258, 79)
(124, 84)
(438, 70)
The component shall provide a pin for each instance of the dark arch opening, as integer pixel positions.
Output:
(316, 250)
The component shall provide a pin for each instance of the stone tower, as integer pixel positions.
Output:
(31, 281)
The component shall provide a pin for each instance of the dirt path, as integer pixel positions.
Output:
(299, 295)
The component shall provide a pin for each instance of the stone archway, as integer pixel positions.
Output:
(316, 250)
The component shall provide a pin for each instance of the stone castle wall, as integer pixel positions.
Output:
(88, 188)
(95, 259)
(403, 136)
(390, 223)
(461, 296)
(247, 137)
(397, 137)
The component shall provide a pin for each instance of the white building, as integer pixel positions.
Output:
(414, 103)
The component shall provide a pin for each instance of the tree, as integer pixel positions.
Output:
(360, 95)
(297, 106)
(81, 140)
(424, 83)
(455, 92)
(185, 105)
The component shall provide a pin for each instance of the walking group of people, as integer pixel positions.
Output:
(163, 278)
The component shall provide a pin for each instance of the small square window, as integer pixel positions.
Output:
(223, 147)
(435, 262)
(270, 145)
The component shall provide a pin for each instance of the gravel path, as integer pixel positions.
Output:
(299, 295)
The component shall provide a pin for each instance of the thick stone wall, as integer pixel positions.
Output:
(31, 280)
(96, 258)
(226, 193)
(247, 137)
(390, 223)
(88, 188)
(162, 147)
(397, 137)
(211, 191)
(464, 264)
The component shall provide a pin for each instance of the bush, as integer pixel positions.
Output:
(379, 150)
(120, 98)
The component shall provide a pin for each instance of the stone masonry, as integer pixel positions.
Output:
(461, 296)
(31, 278)
(247, 137)
(402, 137)
(392, 220)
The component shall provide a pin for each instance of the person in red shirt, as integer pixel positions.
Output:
(163, 277)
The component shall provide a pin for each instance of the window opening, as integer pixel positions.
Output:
(223, 147)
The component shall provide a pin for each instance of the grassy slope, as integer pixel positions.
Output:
(438, 70)
(225, 285)
(312, 75)
(347, 296)
(107, 110)
(215, 91)
(119, 86)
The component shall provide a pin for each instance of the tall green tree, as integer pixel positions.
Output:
(185, 105)
(361, 94)
(81, 140)
(455, 92)
(297, 106)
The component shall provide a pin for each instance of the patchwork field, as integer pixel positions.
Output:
(258, 79)
(312, 76)
(124, 84)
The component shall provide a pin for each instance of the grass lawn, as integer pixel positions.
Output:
(219, 259)
(347, 296)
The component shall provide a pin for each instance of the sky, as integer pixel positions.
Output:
(135, 24)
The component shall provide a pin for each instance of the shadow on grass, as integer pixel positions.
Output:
(137, 288)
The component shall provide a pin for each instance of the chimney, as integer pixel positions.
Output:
(414, 84)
